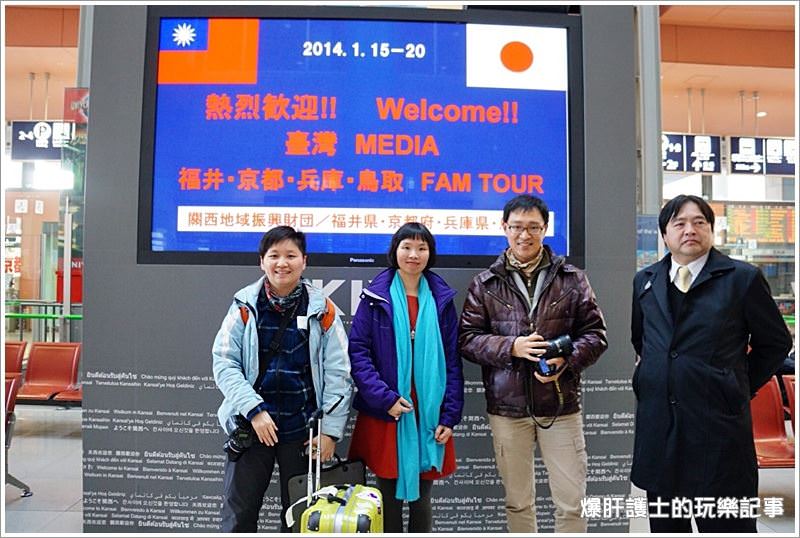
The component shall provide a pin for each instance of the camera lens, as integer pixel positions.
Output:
(558, 347)
(234, 452)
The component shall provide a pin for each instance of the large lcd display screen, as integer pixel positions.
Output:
(347, 123)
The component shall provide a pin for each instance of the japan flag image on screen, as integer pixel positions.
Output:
(518, 57)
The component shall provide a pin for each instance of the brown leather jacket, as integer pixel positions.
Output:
(496, 312)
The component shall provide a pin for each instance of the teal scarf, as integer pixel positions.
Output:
(417, 449)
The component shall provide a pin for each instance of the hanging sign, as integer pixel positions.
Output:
(771, 156)
(690, 153)
(39, 140)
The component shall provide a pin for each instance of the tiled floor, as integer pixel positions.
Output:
(772, 483)
(46, 452)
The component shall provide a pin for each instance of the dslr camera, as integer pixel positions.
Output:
(557, 347)
(241, 437)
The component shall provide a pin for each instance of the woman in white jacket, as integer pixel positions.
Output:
(280, 354)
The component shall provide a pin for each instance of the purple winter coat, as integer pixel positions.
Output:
(373, 355)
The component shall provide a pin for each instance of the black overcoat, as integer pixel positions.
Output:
(694, 381)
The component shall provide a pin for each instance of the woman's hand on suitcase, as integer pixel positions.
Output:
(443, 434)
(265, 428)
(328, 447)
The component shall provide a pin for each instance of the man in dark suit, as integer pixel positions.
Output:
(707, 335)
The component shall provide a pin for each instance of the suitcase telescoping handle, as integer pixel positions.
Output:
(316, 420)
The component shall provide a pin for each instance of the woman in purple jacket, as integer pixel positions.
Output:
(405, 363)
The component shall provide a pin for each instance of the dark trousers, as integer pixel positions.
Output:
(420, 518)
(680, 525)
(247, 479)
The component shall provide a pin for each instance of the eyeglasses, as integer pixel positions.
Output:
(533, 229)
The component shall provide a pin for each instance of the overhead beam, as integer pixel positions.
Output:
(727, 46)
(41, 27)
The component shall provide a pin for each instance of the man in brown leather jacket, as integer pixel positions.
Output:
(528, 297)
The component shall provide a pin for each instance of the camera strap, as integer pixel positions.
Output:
(529, 380)
(275, 343)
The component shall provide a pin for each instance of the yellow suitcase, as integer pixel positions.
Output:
(347, 508)
(340, 508)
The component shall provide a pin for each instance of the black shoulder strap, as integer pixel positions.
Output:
(275, 344)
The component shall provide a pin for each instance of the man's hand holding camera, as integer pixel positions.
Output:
(531, 347)
(556, 364)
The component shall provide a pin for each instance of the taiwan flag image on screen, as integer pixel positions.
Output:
(208, 51)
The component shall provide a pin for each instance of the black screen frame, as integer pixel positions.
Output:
(575, 129)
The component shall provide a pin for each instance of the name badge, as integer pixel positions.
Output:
(302, 323)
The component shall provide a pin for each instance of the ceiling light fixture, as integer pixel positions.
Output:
(49, 176)
(761, 114)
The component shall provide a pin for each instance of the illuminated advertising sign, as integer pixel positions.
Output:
(347, 128)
